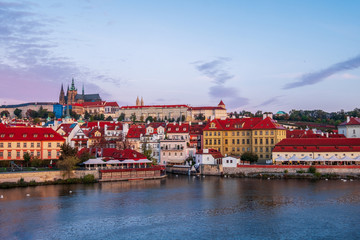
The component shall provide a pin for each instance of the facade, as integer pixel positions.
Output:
(206, 113)
(350, 128)
(319, 150)
(43, 143)
(236, 136)
(230, 161)
(208, 156)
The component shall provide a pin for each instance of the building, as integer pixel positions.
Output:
(72, 96)
(236, 136)
(231, 161)
(43, 143)
(208, 156)
(323, 151)
(350, 128)
(206, 113)
(25, 107)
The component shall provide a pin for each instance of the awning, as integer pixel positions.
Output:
(281, 159)
(333, 158)
(320, 158)
(307, 158)
(94, 161)
(346, 158)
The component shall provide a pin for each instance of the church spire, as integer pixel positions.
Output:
(142, 102)
(83, 92)
(72, 85)
(137, 101)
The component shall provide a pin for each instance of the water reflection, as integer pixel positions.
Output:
(201, 208)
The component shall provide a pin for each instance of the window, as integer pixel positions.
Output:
(255, 132)
(238, 141)
(255, 140)
(49, 154)
(238, 149)
(261, 149)
(206, 142)
(272, 132)
(210, 133)
(18, 154)
(237, 133)
(226, 141)
(163, 154)
(38, 154)
(17, 145)
(32, 144)
(49, 145)
(38, 145)
(1, 145)
(266, 141)
(233, 141)
(1, 154)
(25, 145)
(261, 141)
(260, 132)
(225, 133)
(9, 145)
(266, 132)
(247, 141)
(210, 141)
(267, 149)
(256, 149)
(243, 133)
(233, 133)
(272, 141)
(226, 149)
(169, 154)
(233, 149)
(219, 141)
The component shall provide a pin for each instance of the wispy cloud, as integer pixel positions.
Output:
(219, 75)
(271, 101)
(315, 77)
(29, 64)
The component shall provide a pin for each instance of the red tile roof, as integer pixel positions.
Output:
(353, 121)
(112, 104)
(128, 154)
(102, 124)
(318, 145)
(221, 103)
(66, 127)
(29, 134)
(155, 106)
(94, 104)
(232, 124)
(206, 108)
(136, 131)
(216, 154)
(177, 128)
(268, 123)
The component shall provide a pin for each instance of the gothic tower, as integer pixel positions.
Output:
(137, 101)
(71, 94)
(142, 102)
(62, 96)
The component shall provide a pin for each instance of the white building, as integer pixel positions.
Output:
(230, 161)
(208, 156)
(350, 128)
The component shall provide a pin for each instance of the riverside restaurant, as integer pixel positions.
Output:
(307, 160)
(98, 163)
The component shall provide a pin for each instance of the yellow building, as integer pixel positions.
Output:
(43, 143)
(236, 136)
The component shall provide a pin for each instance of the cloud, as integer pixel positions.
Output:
(29, 66)
(273, 100)
(219, 75)
(315, 77)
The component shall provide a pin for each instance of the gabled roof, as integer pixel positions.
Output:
(268, 123)
(136, 131)
(216, 154)
(128, 154)
(66, 127)
(94, 104)
(352, 121)
(111, 104)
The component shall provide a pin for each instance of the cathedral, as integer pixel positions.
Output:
(72, 96)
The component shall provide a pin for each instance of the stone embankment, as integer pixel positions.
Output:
(45, 176)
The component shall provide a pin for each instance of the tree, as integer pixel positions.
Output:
(85, 155)
(17, 112)
(249, 156)
(87, 115)
(133, 117)
(68, 164)
(141, 118)
(149, 119)
(121, 117)
(31, 113)
(109, 118)
(27, 158)
(5, 112)
(67, 151)
(200, 117)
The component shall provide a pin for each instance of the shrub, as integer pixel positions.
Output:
(300, 171)
(89, 178)
(286, 171)
(317, 174)
(312, 169)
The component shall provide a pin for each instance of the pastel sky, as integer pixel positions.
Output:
(254, 55)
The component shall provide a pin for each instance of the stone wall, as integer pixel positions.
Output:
(44, 176)
(250, 170)
(206, 169)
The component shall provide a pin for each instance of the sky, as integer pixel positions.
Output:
(253, 55)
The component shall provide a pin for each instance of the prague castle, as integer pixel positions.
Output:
(73, 97)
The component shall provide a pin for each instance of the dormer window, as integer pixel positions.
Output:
(52, 135)
(2, 135)
(11, 135)
(24, 135)
(35, 135)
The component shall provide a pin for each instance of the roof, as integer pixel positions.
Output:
(221, 103)
(232, 124)
(216, 154)
(178, 128)
(318, 145)
(136, 131)
(29, 134)
(112, 104)
(206, 108)
(352, 121)
(102, 124)
(155, 106)
(128, 154)
(88, 97)
(268, 123)
(94, 104)
(66, 127)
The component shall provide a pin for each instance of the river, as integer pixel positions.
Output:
(182, 207)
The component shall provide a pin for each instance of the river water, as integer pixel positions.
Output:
(182, 207)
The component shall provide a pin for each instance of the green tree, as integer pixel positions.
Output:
(200, 117)
(67, 151)
(5, 112)
(121, 117)
(109, 118)
(17, 112)
(84, 156)
(249, 156)
(133, 117)
(27, 158)
(68, 164)
(141, 118)
(149, 119)
(87, 115)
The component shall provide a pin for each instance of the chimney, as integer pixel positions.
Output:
(190, 123)
(264, 116)
(327, 134)
(347, 119)
(98, 123)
